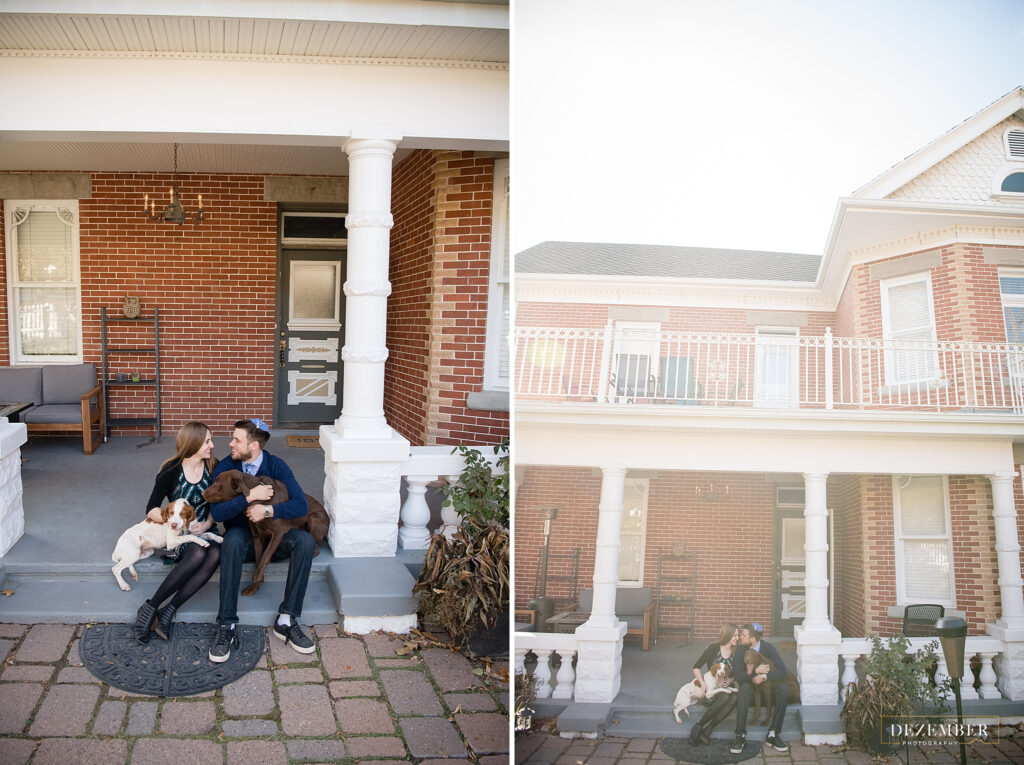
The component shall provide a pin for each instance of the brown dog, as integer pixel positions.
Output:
(762, 691)
(268, 533)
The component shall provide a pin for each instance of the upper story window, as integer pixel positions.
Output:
(1013, 139)
(496, 355)
(43, 281)
(1013, 183)
(634, 532)
(1011, 292)
(636, 354)
(924, 542)
(908, 319)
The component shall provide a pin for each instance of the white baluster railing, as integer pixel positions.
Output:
(425, 465)
(544, 646)
(630, 366)
(983, 647)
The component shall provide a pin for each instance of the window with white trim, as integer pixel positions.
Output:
(633, 535)
(43, 281)
(1011, 291)
(636, 351)
(496, 355)
(908, 318)
(924, 542)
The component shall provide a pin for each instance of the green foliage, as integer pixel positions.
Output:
(465, 581)
(896, 685)
(481, 492)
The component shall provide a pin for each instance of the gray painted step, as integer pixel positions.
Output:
(658, 722)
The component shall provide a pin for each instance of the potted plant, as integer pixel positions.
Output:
(465, 580)
(895, 686)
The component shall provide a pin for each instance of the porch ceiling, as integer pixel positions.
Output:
(136, 156)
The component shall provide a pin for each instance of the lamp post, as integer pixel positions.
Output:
(953, 637)
(543, 606)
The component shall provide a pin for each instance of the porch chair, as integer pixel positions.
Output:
(633, 605)
(65, 398)
(677, 380)
(919, 619)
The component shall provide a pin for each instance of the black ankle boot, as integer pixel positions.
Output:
(695, 734)
(164, 620)
(144, 621)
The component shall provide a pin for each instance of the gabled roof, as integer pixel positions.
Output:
(594, 259)
(943, 146)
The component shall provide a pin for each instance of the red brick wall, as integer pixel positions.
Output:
(413, 205)
(213, 284)
(459, 282)
(844, 497)
(734, 575)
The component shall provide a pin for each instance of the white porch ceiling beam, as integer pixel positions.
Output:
(299, 103)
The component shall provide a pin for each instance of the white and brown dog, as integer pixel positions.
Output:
(146, 537)
(718, 679)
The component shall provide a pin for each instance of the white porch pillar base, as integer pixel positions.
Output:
(362, 492)
(1011, 594)
(364, 625)
(599, 662)
(1009, 664)
(817, 664)
(12, 512)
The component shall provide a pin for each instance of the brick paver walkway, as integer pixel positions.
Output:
(354, 699)
(546, 749)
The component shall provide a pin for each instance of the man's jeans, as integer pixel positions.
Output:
(780, 697)
(297, 546)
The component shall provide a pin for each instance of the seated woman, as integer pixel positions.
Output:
(723, 704)
(184, 476)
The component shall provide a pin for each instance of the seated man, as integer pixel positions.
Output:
(298, 545)
(750, 639)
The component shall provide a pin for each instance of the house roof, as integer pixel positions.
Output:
(943, 146)
(601, 259)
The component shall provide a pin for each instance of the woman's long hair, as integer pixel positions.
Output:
(188, 441)
(728, 630)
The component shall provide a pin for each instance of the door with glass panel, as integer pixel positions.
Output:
(310, 317)
(777, 367)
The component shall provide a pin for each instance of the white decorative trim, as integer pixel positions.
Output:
(308, 349)
(364, 355)
(330, 379)
(417, 63)
(369, 220)
(367, 288)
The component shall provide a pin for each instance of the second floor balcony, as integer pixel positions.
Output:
(770, 370)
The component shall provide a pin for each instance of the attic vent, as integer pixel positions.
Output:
(1015, 143)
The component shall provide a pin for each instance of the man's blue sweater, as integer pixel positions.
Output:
(232, 512)
(739, 667)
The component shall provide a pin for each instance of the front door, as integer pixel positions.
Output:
(309, 336)
(777, 366)
(790, 595)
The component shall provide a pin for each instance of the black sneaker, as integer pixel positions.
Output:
(776, 743)
(738, 742)
(294, 636)
(223, 642)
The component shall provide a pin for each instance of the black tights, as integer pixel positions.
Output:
(195, 568)
(721, 706)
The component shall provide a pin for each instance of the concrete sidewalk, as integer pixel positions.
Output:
(546, 749)
(354, 699)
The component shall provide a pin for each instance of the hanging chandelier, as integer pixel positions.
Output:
(174, 212)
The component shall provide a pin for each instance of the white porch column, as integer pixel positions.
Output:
(12, 512)
(818, 642)
(599, 639)
(364, 456)
(1009, 627)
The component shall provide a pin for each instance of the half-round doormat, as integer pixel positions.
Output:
(713, 753)
(180, 666)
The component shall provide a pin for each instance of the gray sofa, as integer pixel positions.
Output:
(633, 605)
(64, 397)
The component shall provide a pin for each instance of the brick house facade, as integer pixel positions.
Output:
(833, 438)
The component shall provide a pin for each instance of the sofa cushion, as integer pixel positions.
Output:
(21, 384)
(54, 413)
(65, 383)
(628, 601)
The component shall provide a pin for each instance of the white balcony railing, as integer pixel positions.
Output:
(553, 655)
(609, 365)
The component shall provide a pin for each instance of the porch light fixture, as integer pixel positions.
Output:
(952, 631)
(174, 212)
(712, 494)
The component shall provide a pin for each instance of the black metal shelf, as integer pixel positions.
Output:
(686, 595)
(149, 350)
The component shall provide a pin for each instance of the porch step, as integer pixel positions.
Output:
(658, 722)
(82, 593)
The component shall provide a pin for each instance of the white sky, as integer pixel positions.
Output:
(732, 123)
